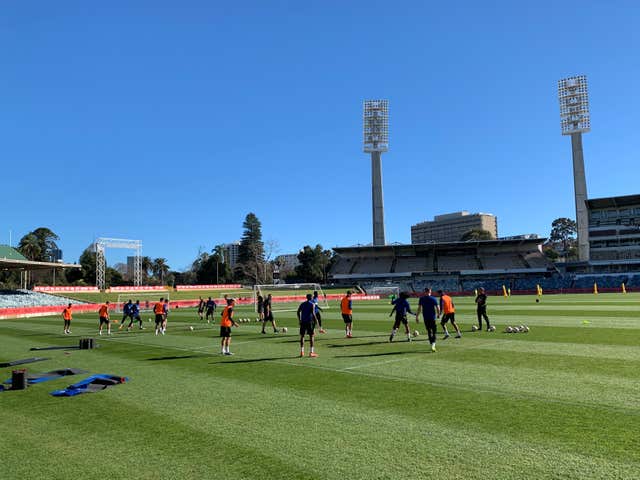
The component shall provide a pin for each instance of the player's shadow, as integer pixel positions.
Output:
(181, 357)
(373, 354)
(252, 360)
(365, 344)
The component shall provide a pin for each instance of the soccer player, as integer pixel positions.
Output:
(448, 314)
(67, 316)
(126, 313)
(158, 310)
(268, 315)
(226, 322)
(135, 315)
(103, 313)
(211, 308)
(346, 309)
(260, 308)
(401, 307)
(428, 306)
(201, 306)
(316, 303)
(307, 321)
(481, 308)
(165, 314)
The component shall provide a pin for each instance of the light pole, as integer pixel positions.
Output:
(375, 130)
(575, 120)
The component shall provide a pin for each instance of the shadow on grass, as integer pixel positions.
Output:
(375, 354)
(180, 357)
(253, 360)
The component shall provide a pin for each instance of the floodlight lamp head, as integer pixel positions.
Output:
(574, 105)
(375, 126)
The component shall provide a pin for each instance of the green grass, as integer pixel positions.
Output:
(562, 401)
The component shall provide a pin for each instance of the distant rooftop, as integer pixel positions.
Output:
(10, 253)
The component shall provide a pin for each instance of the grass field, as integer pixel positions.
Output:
(560, 402)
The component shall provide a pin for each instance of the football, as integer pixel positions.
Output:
(492, 328)
(284, 329)
(474, 328)
(191, 328)
(416, 333)
(508, 330)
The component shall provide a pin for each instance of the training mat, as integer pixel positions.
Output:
(23, 361)
(94, 383)
(52, 375)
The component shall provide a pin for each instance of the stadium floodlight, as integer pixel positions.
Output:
(575, 120)
(101, 245)
(375, 126)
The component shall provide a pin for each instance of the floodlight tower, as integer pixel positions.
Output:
(376, 140)
(574, 121)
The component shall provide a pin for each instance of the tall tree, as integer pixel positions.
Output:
(563, 232)
(30, 247)
(476, 234)
(145, 266)
(47, 240)
(251, 265)
(160, 269)
(314, 263)
(88, 265)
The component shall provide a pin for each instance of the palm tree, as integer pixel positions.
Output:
(30, 247)
(145, 264)
(218, 252)
(160, 268)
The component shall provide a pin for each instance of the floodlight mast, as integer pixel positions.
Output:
(575, 120)
(376, 141)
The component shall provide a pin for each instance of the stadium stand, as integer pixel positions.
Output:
(27, 298)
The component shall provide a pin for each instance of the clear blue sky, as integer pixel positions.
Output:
(170, 121)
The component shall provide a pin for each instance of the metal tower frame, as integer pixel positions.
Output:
(375, 130)
(101, 245)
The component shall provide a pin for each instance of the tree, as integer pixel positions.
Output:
(314, 263)
(30, 247)
(476, 234)
(145, 266)
(563, 232)
(160, 269)
(251, 264)
(88, 266)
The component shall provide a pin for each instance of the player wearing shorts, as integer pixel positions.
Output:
(428, 306)
(318, 310)
(103, 313)
(226, 322)
(481, 309)
(135, 315)
(307, 321)
(448, 314)
(165, 314)
(268, 315)
(201, 305)
(158, 310)
(347, 313)
(401, 308)
(126, 313)
(260, 308)
(67, 316)
(211, 308)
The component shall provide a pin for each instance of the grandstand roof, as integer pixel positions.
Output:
(11, 259)
(421, 247)
(611, 202)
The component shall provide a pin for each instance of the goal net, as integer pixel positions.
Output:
(287, 297)
(147, 299)
(383, 290)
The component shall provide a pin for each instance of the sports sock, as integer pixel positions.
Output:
(312, 349)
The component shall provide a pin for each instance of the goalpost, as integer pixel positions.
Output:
(147, 299)
(384, 290)
(287, 296)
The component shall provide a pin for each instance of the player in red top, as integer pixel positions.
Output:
(345, 309)
(103, 313)
(448, 314)
(66, 316)
(225, 326)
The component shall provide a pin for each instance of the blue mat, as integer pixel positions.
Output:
(52, 375)
(94, 383)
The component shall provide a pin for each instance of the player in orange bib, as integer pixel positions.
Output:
(346, 310)
(66, 316)
(103, 313)
(158, 310)
(225, 326)
(448, 314)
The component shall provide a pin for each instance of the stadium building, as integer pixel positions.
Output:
(452, 226)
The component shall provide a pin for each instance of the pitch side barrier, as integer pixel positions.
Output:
(226, 286)
(550, 291)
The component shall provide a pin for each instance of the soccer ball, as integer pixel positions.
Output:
(492, 328)
(191, 328)
(516, 329)
(509, 330)
(284, 329)
(526, 328)
(473, 328)
(416, 333)
(148, 320)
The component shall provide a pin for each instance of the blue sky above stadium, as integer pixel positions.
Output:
(170, 121)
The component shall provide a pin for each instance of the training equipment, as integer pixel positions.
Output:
(286, 297)
(191, 328)
(516, 330)
(474, 328)
(151, 297)
(22, 362)
(416, 333)
(384, 290)
(492, 328)
(94, 383)
(284, 330)
(508, 330)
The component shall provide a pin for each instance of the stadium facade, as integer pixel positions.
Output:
(451, 227)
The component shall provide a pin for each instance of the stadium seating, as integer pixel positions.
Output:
(27, 298)
(414, 264)
(373, 265)
(455, 263)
